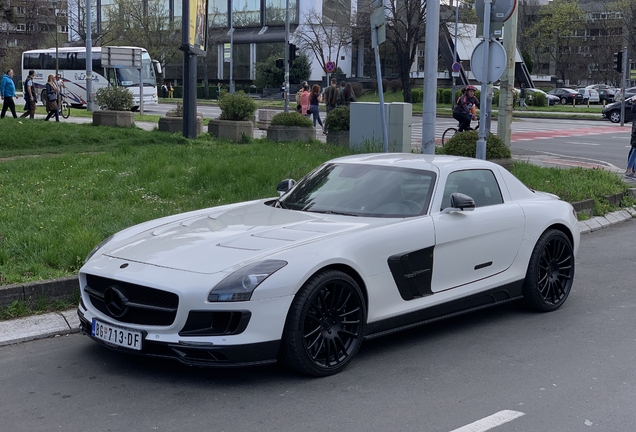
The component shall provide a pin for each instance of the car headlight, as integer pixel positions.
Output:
(239, 285)
(98, 247)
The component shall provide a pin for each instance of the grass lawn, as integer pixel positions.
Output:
(65, 187)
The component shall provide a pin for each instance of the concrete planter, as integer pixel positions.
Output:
(265, 118)
(175, 124)
(230, 129)
(113, 118)
(338, 138)
(279, 133)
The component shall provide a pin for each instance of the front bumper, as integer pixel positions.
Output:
(199, 353)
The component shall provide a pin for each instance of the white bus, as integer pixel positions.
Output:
(71, 63)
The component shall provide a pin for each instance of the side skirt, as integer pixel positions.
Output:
(493, 297)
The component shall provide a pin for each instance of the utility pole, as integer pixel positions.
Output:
(429, 103)
(507, 86)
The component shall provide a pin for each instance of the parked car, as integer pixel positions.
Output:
(605, 96)
(551, 99)
(611, 91)
(567, 95)
(613, 111)
(629, 93)
(362, 246)
(590, 95)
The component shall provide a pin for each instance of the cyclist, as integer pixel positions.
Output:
(463, 109)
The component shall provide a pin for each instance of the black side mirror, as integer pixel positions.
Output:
(460, 202)
(284, 186)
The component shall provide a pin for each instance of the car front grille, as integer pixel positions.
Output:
(131, 303)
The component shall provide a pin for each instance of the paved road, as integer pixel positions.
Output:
(566, 371)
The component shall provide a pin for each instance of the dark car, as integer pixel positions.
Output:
(605, 96)
(613, 111)
(567, 95)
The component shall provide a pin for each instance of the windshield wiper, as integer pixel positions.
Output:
(332, 212)
(280, 204)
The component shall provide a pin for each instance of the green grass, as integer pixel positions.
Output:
(65, 187)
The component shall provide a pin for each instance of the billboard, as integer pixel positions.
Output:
(198, 31)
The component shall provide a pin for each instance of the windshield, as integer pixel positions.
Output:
(129, 77)
(362, 190)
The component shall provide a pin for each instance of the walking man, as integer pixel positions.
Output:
(29, 95)
(7, 92)
(522, 97)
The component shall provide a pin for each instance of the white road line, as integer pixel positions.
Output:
(491, 422)
(580, 143)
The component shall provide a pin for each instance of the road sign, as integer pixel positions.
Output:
(378, 23)
(118, 57)
(496, 61)
(500, 10)
(457, 67)
(330, 66)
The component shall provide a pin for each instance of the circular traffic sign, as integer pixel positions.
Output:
(330, 66)
(496, 61)
(500, 10)
(457, 67)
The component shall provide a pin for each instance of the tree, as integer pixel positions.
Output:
(554, 36)
(268, 75)
(149, 27)
(406, 24)
(326, 39)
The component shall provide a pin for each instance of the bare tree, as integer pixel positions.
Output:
(102, 33)
(149, 27)
(327, 39)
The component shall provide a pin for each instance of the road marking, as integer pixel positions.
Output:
(491, 422)
(581, 143)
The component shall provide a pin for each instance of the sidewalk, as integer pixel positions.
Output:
(66, 322)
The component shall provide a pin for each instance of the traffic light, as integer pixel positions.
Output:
(618, 61)
(292, 52)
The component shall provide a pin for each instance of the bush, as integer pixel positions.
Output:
(394, 86)
(114, 98)
(292, 119)
(447, 95)
(357, 89)
(539, 99)
(465, 144)
(236, 106)
(338, 119)
(417, 95)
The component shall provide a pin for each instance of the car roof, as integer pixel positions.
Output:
(436, 163)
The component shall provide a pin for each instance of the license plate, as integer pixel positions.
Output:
(115, 335)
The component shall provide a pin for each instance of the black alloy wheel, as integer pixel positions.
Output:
(325, 325)
(550, 272)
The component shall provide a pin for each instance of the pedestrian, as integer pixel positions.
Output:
(463, 109)
(331, 95)
(299, 94)
(30, 97)
(314, 104)
(170, 90)
(342, 86)
(522, 97)
(346, 96)
(59, 82)
(164, 90)
(304, 101)
(51, 99)
(631, 157)
(7, 92)
(218, 90)
(282, 91)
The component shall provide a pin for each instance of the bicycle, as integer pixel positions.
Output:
(451, 131)
(65, 107)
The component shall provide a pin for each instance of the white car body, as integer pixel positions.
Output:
(187, 255)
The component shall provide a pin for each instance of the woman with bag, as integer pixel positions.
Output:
(51, 99)
(304, 101)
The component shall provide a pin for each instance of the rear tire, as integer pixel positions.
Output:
(325, 325)
(66, 110)
(550, 272)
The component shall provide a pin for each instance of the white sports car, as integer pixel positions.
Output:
(361, 247)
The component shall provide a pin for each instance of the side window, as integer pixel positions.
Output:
(480, 185)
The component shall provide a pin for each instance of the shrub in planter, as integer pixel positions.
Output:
(338, 120)
(465, 144)
(237, 106)
(292, 119)
(114, 98)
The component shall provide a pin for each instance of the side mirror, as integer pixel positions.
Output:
(284, 186)
(460, 202)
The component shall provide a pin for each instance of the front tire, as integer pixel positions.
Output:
(615, 116)
(325, 325)
(448, 134)
(564, 101)
(550, 272)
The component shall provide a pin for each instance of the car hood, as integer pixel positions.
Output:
(212, 241)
